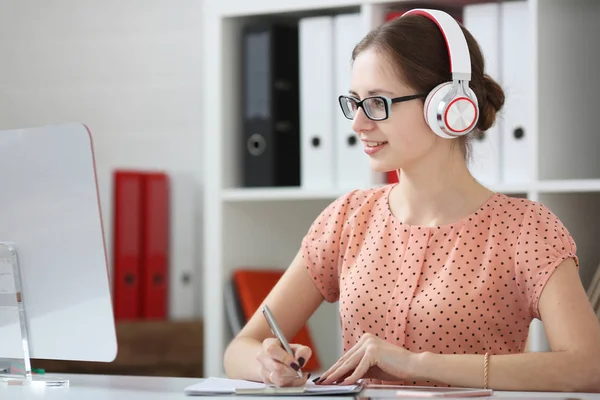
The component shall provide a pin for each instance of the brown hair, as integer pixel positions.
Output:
(415, 46)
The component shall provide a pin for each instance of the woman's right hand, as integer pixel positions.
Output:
(280, 368)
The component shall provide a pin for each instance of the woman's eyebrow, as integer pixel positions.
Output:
(379, 91)
(371, 92)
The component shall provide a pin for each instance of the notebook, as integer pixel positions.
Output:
(220, 386)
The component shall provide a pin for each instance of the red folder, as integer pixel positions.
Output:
(392, 177)
(126, 244)
(393, 15)
(252, 286)
(155, 246)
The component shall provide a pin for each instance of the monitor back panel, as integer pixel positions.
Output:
(49, 209)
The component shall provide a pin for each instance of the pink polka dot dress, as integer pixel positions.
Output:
(468, 287)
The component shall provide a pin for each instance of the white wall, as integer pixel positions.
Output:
(131, 71)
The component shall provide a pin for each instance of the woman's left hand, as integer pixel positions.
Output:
(372, 358)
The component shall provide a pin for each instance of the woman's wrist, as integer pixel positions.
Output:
(418, 366)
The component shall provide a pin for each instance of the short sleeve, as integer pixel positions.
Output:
(321, 247)
(542, 244)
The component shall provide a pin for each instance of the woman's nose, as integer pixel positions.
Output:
(361, 122)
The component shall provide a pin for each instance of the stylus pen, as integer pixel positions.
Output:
(277, 332)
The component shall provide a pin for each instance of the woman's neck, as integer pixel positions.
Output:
(439, 193)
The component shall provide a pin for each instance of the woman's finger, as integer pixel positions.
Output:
(285, 379)
(343, 370)
(277, 373)
(265, 375)
(359, 372)
(350, 353)
(337, 364)
(272, 365)
(276, 352)
(302, 354)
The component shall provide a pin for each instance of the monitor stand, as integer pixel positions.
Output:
(17, 370)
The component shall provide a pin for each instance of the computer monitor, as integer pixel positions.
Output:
(50, 210)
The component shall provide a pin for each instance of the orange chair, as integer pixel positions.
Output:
(248, 289)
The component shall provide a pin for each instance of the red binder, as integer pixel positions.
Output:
(252, 286)
(126, 244)
(392, 177)
(155, 246)
(393, 15)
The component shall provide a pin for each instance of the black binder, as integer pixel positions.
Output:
(271, 126)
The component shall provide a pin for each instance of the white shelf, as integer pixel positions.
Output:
(270, 194)
(234, 195)
(568, 185)
(430, 3)
(237, 8)
(292, 193)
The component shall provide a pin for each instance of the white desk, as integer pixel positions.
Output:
(105, 387)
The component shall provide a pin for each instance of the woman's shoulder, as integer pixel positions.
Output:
(522, 210)
(325, 243)
(352, 209)
(363, 202)
(528, 223)
(366, 196)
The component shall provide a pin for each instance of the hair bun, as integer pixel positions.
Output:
(491, 102)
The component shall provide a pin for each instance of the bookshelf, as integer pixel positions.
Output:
(264, 226)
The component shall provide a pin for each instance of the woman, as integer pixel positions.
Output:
(437, 277)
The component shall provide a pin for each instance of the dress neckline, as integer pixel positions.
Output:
(487, 205)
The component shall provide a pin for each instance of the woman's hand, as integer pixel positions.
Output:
(372, 358)
(280, 368)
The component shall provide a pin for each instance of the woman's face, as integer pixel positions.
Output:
(404, 138)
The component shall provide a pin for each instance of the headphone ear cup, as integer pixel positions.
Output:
(473, 97)
(432, 103)
(461, 113)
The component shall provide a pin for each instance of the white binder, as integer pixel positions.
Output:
(517, 56)
(183, 280)
(352, 169)
(317, 101)
(483, 21)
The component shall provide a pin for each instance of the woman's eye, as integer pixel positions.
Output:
(378, 103)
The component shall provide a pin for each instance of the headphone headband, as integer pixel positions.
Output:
(458, 50)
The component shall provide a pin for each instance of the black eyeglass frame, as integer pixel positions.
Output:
(386, 101)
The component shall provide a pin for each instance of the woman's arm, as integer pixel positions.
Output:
(292, 301)
(573, 332)
(573, 365)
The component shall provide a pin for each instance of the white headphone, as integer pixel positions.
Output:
(451, 108)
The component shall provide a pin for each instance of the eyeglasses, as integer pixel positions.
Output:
(376, 108)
